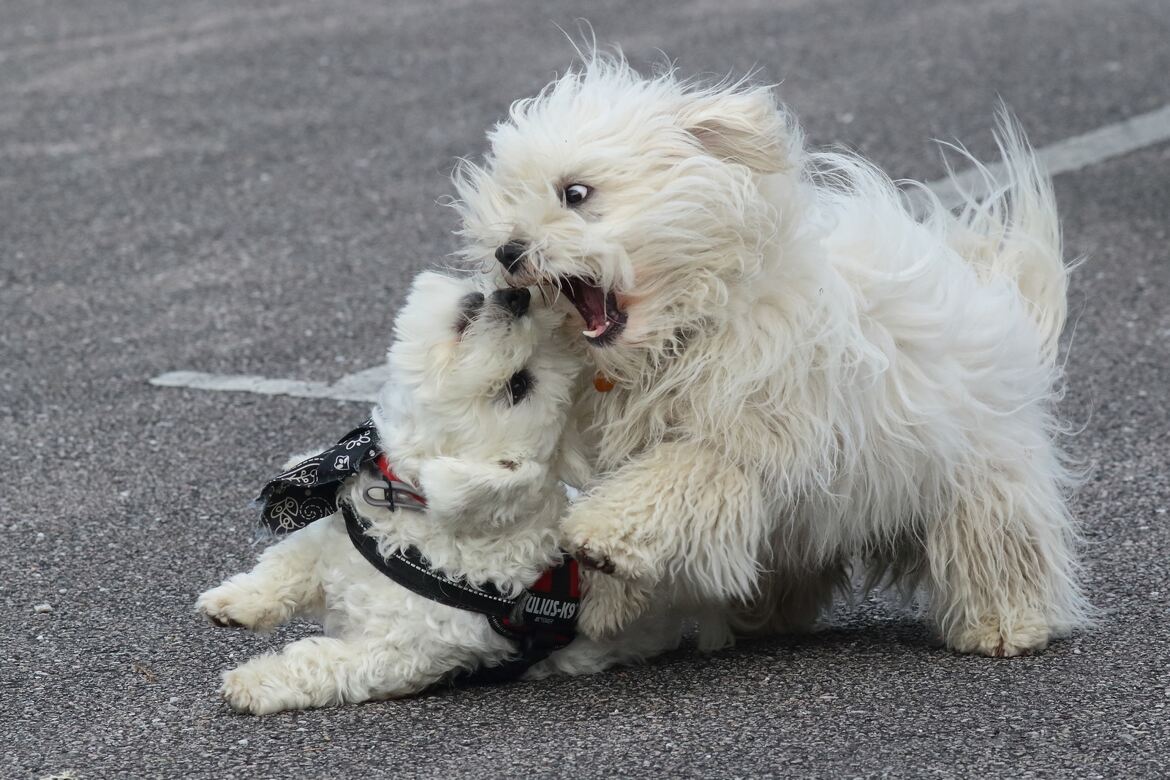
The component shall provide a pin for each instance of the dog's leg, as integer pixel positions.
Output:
(325, 671)
(1002, 568)
(610, 604)
(678, 514)
(651, 635)
(792, 598)
(283, 582)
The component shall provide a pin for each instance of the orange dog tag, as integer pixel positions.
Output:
(602, 383)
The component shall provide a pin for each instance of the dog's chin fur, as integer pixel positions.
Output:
(808, 375)
(489, 469)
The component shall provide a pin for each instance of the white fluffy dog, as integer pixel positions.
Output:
(804, 374)
(473, 417)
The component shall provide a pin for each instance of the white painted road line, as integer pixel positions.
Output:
(362, 386)
(1068, 155)
(1065, 156)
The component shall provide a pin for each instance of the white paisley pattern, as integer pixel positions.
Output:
(308, 491)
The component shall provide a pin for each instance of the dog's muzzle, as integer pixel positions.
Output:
(511, 255)
(513, 299)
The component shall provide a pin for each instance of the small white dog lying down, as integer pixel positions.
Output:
(803, 374)
(472, 423)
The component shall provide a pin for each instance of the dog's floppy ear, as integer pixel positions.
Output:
(740, 124)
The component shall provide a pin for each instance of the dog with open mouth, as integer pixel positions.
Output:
(799, 376)
(427, 541)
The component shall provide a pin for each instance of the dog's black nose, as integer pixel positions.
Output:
(510, 254)
(514, 299)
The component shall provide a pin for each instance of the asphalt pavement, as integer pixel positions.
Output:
(247, 188)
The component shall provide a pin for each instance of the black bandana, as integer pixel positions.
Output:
(308, 491)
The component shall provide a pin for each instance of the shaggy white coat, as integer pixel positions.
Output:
(489, 469)
(810, 376)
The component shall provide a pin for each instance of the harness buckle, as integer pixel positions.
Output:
(394, 495)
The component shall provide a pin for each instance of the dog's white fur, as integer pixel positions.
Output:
(489, 470)
(810, 376)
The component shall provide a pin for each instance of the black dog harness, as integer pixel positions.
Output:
(541, 620)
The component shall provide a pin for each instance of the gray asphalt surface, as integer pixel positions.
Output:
(247, 188)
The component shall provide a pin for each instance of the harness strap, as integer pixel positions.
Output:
(406, 567)
(536, 636)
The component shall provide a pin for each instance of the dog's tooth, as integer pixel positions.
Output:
(596, 331)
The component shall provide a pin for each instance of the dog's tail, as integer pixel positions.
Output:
(1013, 231)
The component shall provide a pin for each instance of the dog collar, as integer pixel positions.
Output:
(395, 492)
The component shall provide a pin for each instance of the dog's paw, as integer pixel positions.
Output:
(606, 546)
(596, 561)
(232, 605)
(258, 688)
(1000, 640)
(610, 604)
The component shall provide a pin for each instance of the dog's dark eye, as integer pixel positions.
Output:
(576, 193)
(519, 386)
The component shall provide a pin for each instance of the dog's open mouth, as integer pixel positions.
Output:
(604, 320)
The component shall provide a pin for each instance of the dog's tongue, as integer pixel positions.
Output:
(590, 302)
